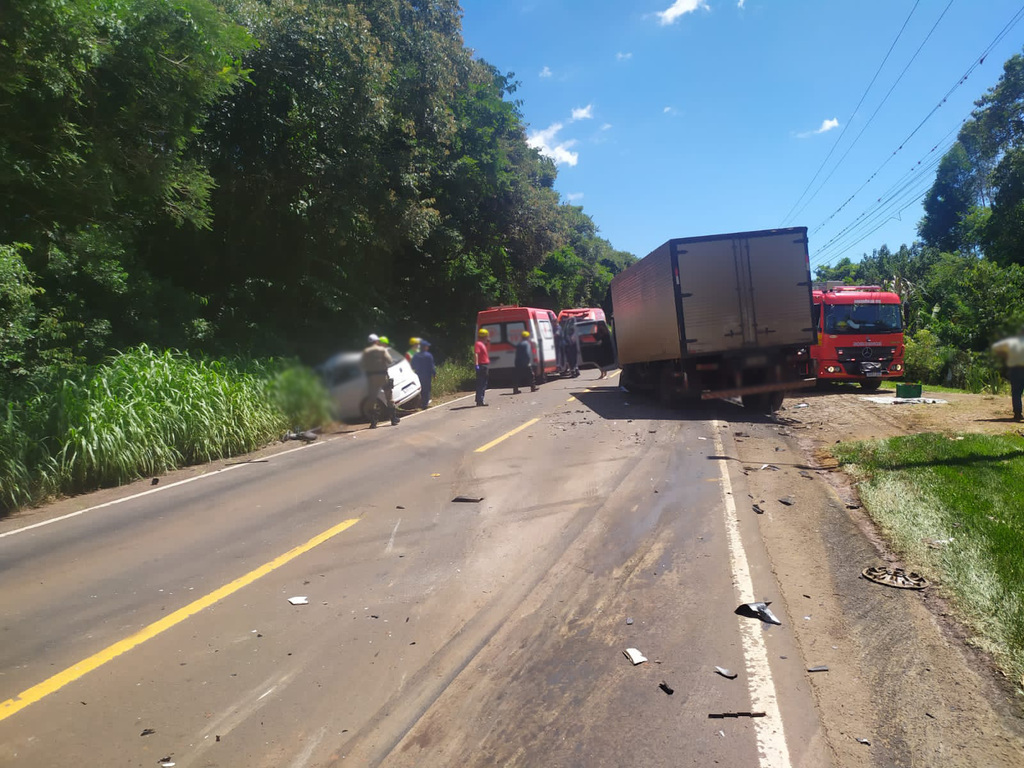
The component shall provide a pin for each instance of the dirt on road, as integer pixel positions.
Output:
(902, 673)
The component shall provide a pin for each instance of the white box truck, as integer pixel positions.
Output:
(717, 316)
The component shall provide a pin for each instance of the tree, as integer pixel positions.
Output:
(951, 198)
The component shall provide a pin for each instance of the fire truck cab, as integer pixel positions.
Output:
(860, 335)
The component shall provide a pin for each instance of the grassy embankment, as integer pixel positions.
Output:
(141, 413)
(953, 507)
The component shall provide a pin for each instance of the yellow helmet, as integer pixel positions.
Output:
(526, 334)
(385, 340)
(413, 341)
(483, 332)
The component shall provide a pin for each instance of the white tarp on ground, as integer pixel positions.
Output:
(905, 400)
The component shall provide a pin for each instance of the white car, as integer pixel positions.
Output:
(346, 383)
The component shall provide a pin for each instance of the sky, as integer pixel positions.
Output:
(680, 118)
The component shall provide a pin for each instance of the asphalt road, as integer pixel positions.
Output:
(436, 632)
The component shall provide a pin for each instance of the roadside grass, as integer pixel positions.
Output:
(926, 388)
(953, 507)
(144, 412)
(453, 376)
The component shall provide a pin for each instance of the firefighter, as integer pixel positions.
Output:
(524, 364)
(375, 363)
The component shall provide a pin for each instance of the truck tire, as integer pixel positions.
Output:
(763, 402)
(870, 385)
(667, 388)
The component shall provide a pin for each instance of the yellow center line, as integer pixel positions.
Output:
(82, 668)
(507, 435)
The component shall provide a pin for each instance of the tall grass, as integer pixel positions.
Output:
(953, 506)
(454, 375)
(143, 412)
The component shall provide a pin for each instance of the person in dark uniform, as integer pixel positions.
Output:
(423, 364)
(524, 364)
(375, 363)
(572, 350)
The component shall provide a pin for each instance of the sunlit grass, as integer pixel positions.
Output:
(145, 412)
(953, 506)
(454, 376)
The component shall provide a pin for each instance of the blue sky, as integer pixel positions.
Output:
(677, 118)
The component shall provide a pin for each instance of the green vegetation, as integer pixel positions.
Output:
(938, 388)
(454, 375)
(953, 506)
(141, 413)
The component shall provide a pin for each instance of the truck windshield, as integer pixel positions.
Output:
(863, 318)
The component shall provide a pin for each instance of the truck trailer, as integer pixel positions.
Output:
(718, 316)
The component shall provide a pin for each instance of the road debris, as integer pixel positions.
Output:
(865, 742)
(634, 656)
(787, 501)
(666, 688)
(299, 600)
(155, 481)
(468, 499)
(436, 474)
(758, 509)
(758, 611)
(770, 466)
(147, 732)
(719, 715)
(894, 577)
(629, 620)
(166, 762)
(308, 436)
(819, 668)
(726, 673)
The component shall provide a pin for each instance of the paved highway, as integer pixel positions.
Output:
(437, 632)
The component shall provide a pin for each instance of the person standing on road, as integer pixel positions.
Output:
(1012, 350)
(375, 363)
(483, 362)
(605, 352)
(414, 347)
(572, 350)
(524, 364)
(423, 364)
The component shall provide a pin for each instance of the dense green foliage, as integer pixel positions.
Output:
(141, 413)
(953, 506)
(265, 176)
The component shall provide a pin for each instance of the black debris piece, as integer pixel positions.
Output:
(865, 742)
(787, 500)
(147, 732)
(726, 673)
(399, 507)
(719, 715)
(894, 577)
(819, 668)
(468, 499)
(758, 611)
(666, 688)
(154, 481)
(758, 509)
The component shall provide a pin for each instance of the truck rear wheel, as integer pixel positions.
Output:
(763, 402)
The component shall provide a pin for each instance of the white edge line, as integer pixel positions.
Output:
(203, 476)
(771, 737)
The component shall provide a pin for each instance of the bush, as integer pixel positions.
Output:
(929, 362)
(454, 375)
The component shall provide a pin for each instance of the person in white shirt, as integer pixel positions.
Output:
(1012, 350)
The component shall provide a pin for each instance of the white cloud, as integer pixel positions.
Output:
(741, 3)
(546, 72)
(680, 8)
(670, 111)
(623, 56)
(583, 113)
(547, 143)
(826, 126)
(572, 197)
(606, 127)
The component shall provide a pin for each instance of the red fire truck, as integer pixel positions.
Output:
(860, 335)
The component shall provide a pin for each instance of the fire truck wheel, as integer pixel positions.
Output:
(870, 385)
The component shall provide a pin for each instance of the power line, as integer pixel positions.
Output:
(974, 65)
(877, 109)
(847, 124)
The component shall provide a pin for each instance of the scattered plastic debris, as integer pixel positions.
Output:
(719, 715)
(905, 400)
(469, 499)
(436, 474)
(299, 600)
(726, 673)
(634, 656)
(787, 501)
(666, 688)
(770, 466)
(819, 668)
(865, 742)
(802, 405)
(147, 732)
(894, 577)
(702, 438)
(758, 509)
(166, 762)
(629, 620)
(155, 481)
(307, 437)
(758, 611)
